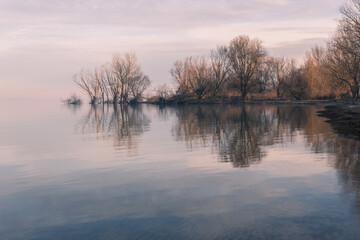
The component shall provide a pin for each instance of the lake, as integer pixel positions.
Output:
(175, 172)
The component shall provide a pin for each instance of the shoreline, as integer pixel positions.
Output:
(342, 115)
(344, 119)
(254, 102)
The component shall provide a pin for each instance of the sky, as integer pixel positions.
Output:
(44, 43)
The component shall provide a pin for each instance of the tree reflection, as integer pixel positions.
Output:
(73, 108)
(239, 134)
(241, 140)
(344, 157)
(343, 153)
(120, 123)
(233, 131)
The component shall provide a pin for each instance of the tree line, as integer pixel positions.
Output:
(244, 69)
(241, 70)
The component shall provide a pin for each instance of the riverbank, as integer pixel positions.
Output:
(344, 119)
(280, 102)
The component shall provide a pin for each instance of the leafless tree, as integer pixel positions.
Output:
(278, 67)
(343, 62)
(88, 84)
(112, 82)
(116, 82)
(199, 76)
(98, 76)
(220, 70)
(321, 81)
(246, 57)
(181, 76)
(262, 79)
(296, 84)
(343, 55)
(73, 100)
(163, 91)
(192, 77)
(138, 85)
(126, 68)
(351, 17)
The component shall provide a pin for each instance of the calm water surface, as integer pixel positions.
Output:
(193, 172)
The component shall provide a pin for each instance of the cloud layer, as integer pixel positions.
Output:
(43, 43)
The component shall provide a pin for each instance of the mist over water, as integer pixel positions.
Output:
(175, 172)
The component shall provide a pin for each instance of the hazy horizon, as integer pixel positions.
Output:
(45, 43)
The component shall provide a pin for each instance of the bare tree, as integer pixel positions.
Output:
(263, 79)
(99, 77)
(115, 82)
(192, 77)
(199, 76)
(220, 70)
(73, 100)
(88, 84)
(350, 20)
(343, 55)
(125, 68)
(343, 62)
(181, 76)
(114, 85)
(246, 57)
(321, 81)
(138, 85)
(295, 83)
(277, 73)
(163, 92)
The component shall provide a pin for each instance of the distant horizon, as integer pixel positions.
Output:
(44, 44)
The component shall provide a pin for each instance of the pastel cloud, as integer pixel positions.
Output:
(51, 40)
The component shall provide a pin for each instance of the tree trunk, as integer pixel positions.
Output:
(243, 96)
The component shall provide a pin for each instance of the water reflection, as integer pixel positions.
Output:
(239, 133)
(346, 160)
(120, 123)
(73, 108)
(287, 175)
